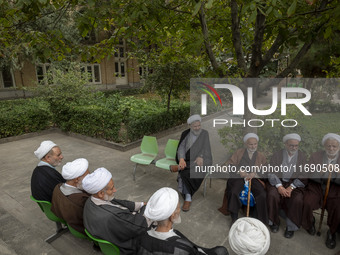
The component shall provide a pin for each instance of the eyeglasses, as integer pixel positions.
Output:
(293, 145)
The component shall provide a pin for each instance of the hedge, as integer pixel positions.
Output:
(22, 116)
(94, 121)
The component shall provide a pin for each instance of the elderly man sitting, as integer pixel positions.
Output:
(242, 159)
(329, 161)
(285, 190)
(45, 176)
(163, 208)
(193, 150)
(68, 198)
(105, 217)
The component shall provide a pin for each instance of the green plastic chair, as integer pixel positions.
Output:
(106, 247)
(45, 206)
(76, 233)
(170, 155)
(149, 149)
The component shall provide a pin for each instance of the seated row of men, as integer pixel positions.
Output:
(292, 194)
(87, 200)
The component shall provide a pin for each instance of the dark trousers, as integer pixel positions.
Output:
(236, 185)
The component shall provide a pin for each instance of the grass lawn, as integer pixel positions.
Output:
(320, 124)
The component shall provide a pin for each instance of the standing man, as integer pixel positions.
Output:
(327, 160)
(193, 150)
(45, 176)
(68, 198)
(105, 217)
(163, 208)
(244, 159)
(285, 190)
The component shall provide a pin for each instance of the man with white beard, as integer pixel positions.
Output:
(285, 189)
(111, 219)
(164, 208)
(244, 159)
(68, 198)
(329, 161)
(45, 176)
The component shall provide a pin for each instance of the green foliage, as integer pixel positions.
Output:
(22, 116)
(150, 118)
(65, 87)
(171, 79)
(271, 137)
(94, 121)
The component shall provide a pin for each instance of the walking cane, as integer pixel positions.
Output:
(248, 202)
(324, 202)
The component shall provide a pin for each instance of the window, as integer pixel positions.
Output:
(42, 70)
(94, 73)
(6, 78)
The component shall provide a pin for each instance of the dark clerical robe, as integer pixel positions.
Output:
(200, 148)
(179, 245)
(43, 181)
(293, 205)
(236, 184)
(115, 224)
(315, 191)
(69, 208)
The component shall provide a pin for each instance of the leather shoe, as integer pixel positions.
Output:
(174, 168)
(274, 228)
(331, 240)
(312, 230)
(289, 234)
(186, 206)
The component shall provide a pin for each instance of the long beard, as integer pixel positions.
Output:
(332, 154)
(108, 198)
(178, 220)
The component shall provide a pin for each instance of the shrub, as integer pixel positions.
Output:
(95, 121)
(22, 116)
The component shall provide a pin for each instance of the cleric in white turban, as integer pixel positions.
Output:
(96, 181)
(162, 204)
(115, 220)
(44, 148)
(163, 207)
(332, 136)
(292, 136)
(250, 135)
(75, 168)
(249, 236)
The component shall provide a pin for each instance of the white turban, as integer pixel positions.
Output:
(292, 136)
(330, 136)
(74, 169)
(96, 181)
(249, 236)
(194, 118)
(162, 204)
(250, 135)
(44, 148)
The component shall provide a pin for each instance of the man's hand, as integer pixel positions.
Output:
(283, 192)
(182, 164)
(199, 161)
(250, 176)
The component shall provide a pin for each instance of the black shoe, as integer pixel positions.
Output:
(274, 228)
(289, 234)
(331, 240)
(234, 217)
(312, 230)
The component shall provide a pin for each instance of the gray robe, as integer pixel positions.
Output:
(114, 224)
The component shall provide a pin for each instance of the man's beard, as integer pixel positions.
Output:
(80, 185)
(252, 150)
(292, 152)
(332, 154)
(108, 198)
(196, 132)
(178, 220)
